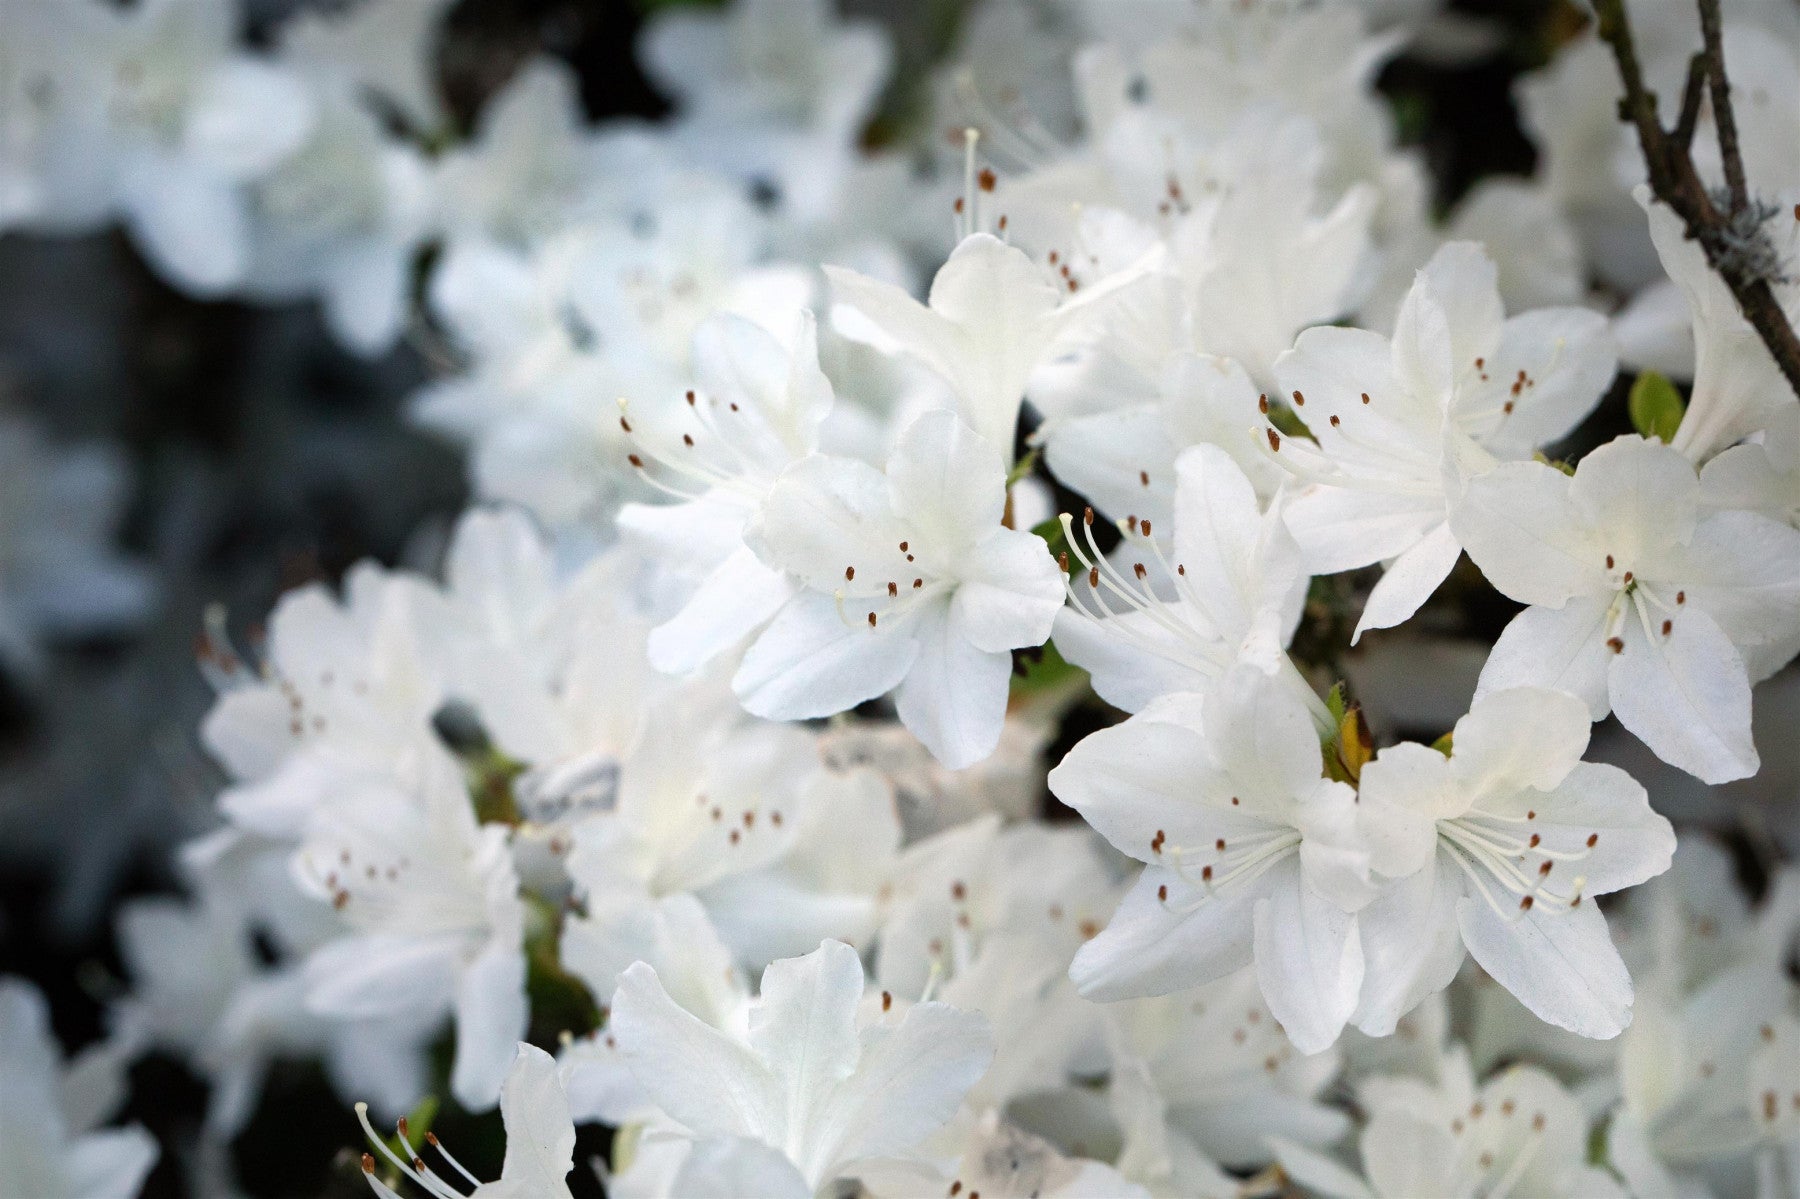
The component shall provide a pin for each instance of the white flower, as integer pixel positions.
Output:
(386, 46)
(1501, 847)
(755, 411)
(1398, 421)
(993, 317)
(540, 1141)
(1641, 604)
(1251, 853)
(48, 1141)
(59, 512)
(1520, 1134)
(169, 120)
(342, 217)
(434, 920)
(805, 1092)
(1230, 588)
(911, 583)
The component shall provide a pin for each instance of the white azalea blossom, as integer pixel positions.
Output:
(887, 709)
(922, 546)
(1640, 604)
(808, 1091)
(1398, 423)
(1251, 853)
(1502, 847)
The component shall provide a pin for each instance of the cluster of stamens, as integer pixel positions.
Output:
(1226, 863)
(1198, 651)
(1490, 849)
(413, 1165)
(731, 470)
(1637, 596)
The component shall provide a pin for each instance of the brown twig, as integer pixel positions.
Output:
(1676, 182)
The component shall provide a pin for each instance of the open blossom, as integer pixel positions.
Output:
(809, 1091)
(1229, 589)
(1502, 846)
(1399, 422)
(911, 584)
(433, 918)
(1641, 604)
(756, 411)
(1251, 853)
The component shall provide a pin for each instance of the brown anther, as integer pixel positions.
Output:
(1144, 478)
(887, 1001)
(958, 891)
(849, 573)
(918, 583)
(687, 439)
(1137, 568)
(1335, 422)
(1262, 404)
(624, 424)
(1274, 441)
(1525, 904)
(1365, 397)
(1681, 597)
(690, 398)
(635, 461)
(1507, 407)
(1609, 561)
(1628, 576)
(893, 590)
(871, 620)
(903, 547)
(1144, 527)
(1668, 627)
(1615, 644)
(1162, 893)
(986, 180)
(1093, 576)
(1087, 516)
(1206, 874)
(1299, 400)
(1219, 845)
(1534, 841)
(735, 837)
(1593, 840)
(368, 1163)
(1545, 868)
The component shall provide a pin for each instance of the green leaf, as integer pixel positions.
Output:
(1337, 703)
(1444, 744)
(1042, 670)
(1052, 532)
(418, 1123)
(1656, 406)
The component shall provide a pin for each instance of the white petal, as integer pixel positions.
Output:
(1745, 572)
(1561, 965)
(1342, 528)
(1517, 524)
(1632, 843)
(1309, 960)
(730, 604)
(1521, 737)
(812, 662)
(246, 117)
(694, 1072)
(1465, 284)
(1685, 695)
(1409, 581)
(365, 295)
(1401, 796)
(954, 695)
(946, 480)
(1559, 649)
(734, 1167)
(491, 1014)
(540, 1137)
(1010, 594)
(1239, 562)
(1411, 945)
(1153, 947)
(1638, 495)
(112, 1163)
(908, 1084)
(192, 225)
(804, 1026)
(826, 516)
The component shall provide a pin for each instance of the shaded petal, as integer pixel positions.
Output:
(1561, 649)
(1309, 960)
(1409, 581)
(1518, 525)
(1152, 947)
(954, 695)
(1561, 965)
(1686, 695)
(812, 662)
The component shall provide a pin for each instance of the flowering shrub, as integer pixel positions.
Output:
(847, 488)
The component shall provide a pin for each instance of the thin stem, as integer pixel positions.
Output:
(1724, 120)
(1676, 182)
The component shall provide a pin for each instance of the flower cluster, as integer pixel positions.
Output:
(718, 744)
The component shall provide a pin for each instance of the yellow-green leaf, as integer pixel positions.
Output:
(1656, 406)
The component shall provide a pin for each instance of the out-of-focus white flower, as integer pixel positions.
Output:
(809, 1091)
(49, 1138)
